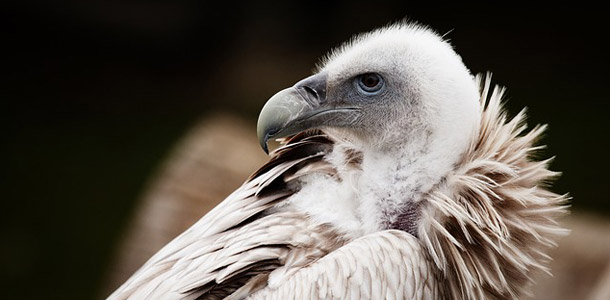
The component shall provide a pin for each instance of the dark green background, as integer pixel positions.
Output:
(95, 94)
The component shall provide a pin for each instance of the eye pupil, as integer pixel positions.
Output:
(370, 80)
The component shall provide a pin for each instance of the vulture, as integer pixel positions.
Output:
(399, 175)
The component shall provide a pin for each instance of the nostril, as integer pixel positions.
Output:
(313, 88)
(312, 95)
(311, 92)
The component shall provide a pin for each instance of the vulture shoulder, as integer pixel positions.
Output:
(233, 248)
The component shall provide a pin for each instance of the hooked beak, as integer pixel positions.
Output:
(298, 108)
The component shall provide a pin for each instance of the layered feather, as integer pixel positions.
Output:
(388, 264)
(237, 244)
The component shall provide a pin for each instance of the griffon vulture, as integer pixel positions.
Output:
(399, 176)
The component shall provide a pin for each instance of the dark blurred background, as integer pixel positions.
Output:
(96, 93)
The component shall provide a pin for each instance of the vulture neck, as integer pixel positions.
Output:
(395, 180)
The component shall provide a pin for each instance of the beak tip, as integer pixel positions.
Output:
(265, 148)
(263, 142)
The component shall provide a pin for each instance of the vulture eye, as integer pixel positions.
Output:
(369, 83)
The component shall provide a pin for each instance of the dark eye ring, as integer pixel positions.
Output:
(370, 83)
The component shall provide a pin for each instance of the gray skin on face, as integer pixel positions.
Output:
(322, 102)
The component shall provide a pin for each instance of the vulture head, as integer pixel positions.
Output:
(401, 88)
(436, 157)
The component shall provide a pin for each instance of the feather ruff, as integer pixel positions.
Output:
(488, 226)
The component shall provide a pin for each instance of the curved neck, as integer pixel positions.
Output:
(393, 182)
